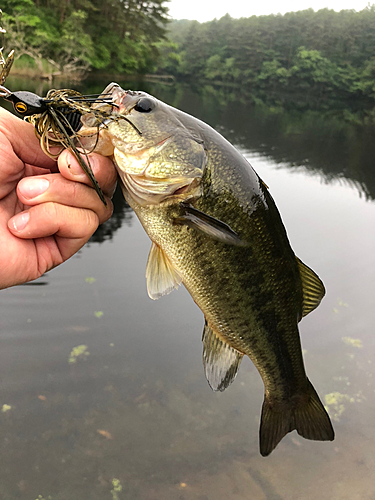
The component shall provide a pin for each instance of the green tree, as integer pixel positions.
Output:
(116, 35)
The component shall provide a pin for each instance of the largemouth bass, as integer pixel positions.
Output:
(215, 228)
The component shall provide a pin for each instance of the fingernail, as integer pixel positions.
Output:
(20, 221)
(31, 188)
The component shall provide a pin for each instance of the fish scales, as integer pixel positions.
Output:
(249, 314)
(248, 308)
(215, 228)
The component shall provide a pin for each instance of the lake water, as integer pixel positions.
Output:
(128, 414)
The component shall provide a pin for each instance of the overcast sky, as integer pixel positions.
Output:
(205, 10)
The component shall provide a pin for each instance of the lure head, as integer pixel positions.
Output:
(26, 103)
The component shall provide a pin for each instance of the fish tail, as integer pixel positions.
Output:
(309, 418)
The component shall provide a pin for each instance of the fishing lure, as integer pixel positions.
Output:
(57, 117)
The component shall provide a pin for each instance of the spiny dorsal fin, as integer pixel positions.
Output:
(161, 277)
(312, 287)
(220, 360)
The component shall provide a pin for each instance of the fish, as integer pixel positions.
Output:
(215, 228)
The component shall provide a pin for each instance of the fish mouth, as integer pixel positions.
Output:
(121, 99)
(115, 91)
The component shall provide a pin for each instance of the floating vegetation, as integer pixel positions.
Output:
(98, 314)
(352, 342)
(78, 352)
(334, 402)
(40, 497)
(6, 408)
(117, 488)
(90, 280)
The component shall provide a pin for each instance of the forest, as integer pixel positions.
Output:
(321, 56)
(70, 36)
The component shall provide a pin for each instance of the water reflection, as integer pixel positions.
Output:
(320, 142)
(122, 214)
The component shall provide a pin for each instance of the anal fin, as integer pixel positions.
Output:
(220, 360)
(161, 276)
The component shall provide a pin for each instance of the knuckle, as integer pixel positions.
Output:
(92, 220)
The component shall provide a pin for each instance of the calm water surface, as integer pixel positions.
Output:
(134, 410)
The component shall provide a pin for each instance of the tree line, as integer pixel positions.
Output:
(320, 55)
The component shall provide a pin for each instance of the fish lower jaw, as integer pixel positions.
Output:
(145, 191)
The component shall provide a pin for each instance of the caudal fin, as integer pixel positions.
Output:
(309, 418)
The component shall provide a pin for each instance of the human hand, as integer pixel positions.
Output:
(46, 213)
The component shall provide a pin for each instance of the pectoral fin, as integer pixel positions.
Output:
(220, 360)
(161, 276)
(312, 286)
(208, 225)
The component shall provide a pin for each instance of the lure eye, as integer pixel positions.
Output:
(20, 107)
(145, 105)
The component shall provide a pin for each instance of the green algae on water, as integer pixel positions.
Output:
(334, 403)
(78, 352)
(117, 488)
(352, 342)
(90, 280)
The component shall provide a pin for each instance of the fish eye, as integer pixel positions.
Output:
(144, 105)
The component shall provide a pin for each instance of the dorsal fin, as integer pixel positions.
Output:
(220, 360)
(161, 276)
(312, 286)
